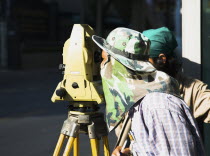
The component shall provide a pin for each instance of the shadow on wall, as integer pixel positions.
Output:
(191, 69)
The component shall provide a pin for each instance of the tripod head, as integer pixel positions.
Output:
(81, 67)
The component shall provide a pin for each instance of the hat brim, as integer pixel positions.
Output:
(136, 65)
(100, 42)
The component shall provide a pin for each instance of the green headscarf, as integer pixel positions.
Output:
(162, 41)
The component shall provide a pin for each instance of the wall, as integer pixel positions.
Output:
(191, 38)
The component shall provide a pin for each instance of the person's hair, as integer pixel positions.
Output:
(172, 65)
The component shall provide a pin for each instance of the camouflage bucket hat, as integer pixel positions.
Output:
(127, 46)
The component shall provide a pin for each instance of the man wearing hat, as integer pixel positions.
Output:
(162, 56)
(161, 123)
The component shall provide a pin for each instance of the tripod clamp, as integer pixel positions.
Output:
(91, 123)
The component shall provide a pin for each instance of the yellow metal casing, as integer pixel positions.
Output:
(80, 68)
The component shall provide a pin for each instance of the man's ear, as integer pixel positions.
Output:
(163, 57)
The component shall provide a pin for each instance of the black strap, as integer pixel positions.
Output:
(127, 54)
(126, 127)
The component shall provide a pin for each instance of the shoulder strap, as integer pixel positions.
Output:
(126, 127)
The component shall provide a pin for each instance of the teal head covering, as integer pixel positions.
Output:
(162, 41)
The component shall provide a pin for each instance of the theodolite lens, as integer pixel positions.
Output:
(75, 85)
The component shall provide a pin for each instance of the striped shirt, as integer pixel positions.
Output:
(162, 125)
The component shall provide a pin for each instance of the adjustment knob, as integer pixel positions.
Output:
(61, 66)
(75, 85)
(61, 92)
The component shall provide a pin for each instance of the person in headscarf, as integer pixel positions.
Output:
(161, 122)
(162, 56)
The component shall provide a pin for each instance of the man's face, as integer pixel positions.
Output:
(104, 56)
(151, 61)
(161, 57)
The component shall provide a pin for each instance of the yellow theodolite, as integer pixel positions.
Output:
(81, 86)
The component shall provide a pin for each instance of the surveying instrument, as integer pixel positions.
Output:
(81, 87)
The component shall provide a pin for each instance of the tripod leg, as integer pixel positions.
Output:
(76, 146)
(106, 146)
(59, 145)
(98, 145)
(69, 146)
(94, 147)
